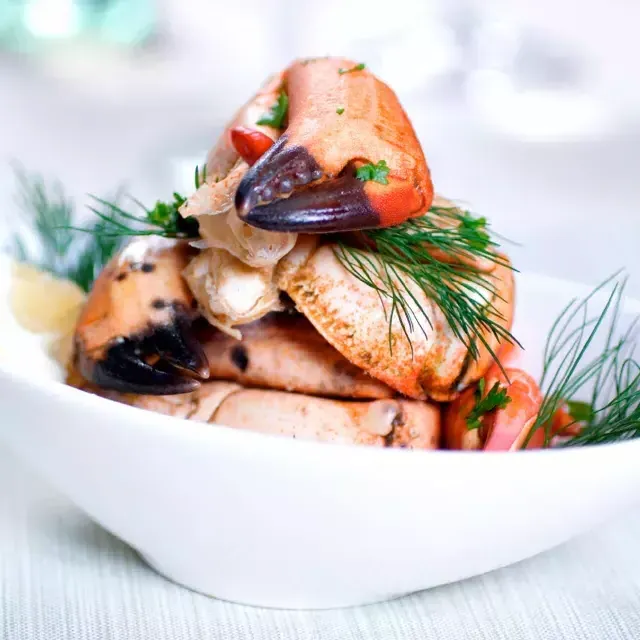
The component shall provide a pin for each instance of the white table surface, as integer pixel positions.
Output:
(62, 577)
(575, 208)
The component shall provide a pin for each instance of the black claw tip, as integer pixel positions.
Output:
(276, 173)
(336, 205)
(176, 345)
(128, 373)
(165, 360)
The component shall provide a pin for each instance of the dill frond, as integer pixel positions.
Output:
(47, 210)
(436, 252)
(50, 214)
(569, 368)
(163, 220)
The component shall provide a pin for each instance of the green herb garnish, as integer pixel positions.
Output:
(357, 67)
(340, 110)
(497, 398)
(569, 368)
(51, 214)
(162, 220)
(200, 176)
(53, 218)
(375, 172)
(618, 418)
(612, 413)
(580, 411)
(277, 114)
(403, 256)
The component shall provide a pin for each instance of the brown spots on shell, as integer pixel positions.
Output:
(396, 423)
(344, 368)
(286, 301)
(240, 357)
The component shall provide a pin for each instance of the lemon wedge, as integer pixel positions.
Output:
(44, 304)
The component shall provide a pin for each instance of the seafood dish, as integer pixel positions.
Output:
(315, 285)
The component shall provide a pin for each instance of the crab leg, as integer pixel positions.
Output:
(395, 423)
(337, 122)
(284, 351)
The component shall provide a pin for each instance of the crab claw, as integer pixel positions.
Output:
(337, 122)
(134, 334)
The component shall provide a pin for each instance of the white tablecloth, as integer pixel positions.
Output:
(62, 577)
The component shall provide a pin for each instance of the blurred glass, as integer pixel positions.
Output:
(35, 25)
(547, 71)
(530, 85)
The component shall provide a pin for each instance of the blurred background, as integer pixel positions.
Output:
(529, 110)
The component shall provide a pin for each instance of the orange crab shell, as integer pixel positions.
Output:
(137, 313)
(372, 127)
(337, 122)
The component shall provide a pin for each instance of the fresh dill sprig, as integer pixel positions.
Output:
(50, 213)
(92, 257)
(436, 252)
(163, 219)
(613, 411)
(46, 209)
(619, 418)
(497, 398)
(569, 368)
(200, 176)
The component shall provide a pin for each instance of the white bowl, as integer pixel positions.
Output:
(268, 521)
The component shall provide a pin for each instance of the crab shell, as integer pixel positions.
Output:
(350, 315)
(388, 422)
(340, 117)
(133, 333)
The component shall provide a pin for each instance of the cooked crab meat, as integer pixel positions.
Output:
(284, 351)
(229, 292)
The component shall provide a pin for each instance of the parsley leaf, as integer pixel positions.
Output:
(497, 398)
(580, 411)
(357, 67)
(340, 110)
(278, 112)
(376, 172)
(478, 229)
